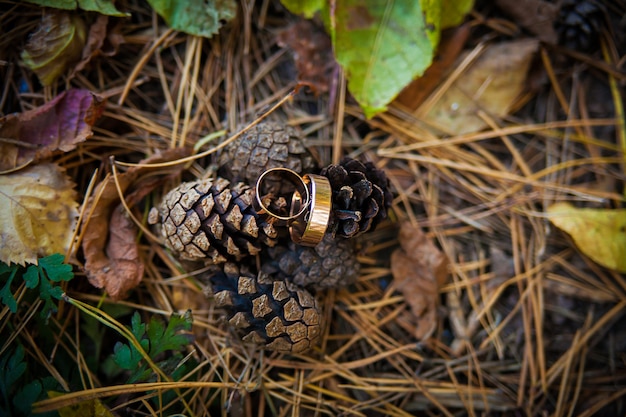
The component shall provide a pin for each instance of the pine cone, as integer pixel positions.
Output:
(265, 146)
(361, 197)
(579, 24)
(277, 315)
(330, 264)
(207, 219)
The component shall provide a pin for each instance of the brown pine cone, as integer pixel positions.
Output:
(276, 315)
(361, 197)
(212, 219)
(266, 145)
(332, 263)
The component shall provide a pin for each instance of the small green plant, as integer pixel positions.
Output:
(18, 395)
(42, 278)
(155, 340)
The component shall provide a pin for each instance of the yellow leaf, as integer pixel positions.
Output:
(490, 84)
(599, 233)
(38, 213)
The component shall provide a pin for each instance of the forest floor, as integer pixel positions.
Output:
(524, 321)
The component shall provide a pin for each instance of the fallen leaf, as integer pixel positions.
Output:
(38, 213)
(419, 269)
(109, 240)
(101, 6)
(195, 17)
(104, 39)
(383, 46)
(55, 46)
(598, 233)
(536, 16)
(312, 53)
(454, 12)
(57, 125)
(452, 41)
(99, 267)
(490, 84)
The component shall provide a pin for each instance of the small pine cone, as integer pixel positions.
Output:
(276, 315)
(332, 263)
(361, 197)
(212, 219)
(579, 24)
(266, 145)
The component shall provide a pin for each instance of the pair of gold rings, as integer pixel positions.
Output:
(309, 210)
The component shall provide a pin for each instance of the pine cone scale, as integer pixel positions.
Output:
(360, 199)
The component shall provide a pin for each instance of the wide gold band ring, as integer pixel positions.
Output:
(309, 229)
(301, 193)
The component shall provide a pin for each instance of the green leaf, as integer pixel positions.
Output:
(155, 339)
(455, 11)
(13, 367)
(137, 327)
(101, 6)
(304, 7)
(169, 338)
(383, 45)
(6, 296)
(195, 17)
(126, 356)
(25, 397)
(55, 268)
(31, 277)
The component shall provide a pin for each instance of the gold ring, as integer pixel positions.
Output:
(294, 178)
(309, 229)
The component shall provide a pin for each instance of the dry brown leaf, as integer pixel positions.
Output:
(100, 268)
(491, 84)
(123, 252)
(38, 212)
(312, 53)
(109, 243)
(103, 39)
(536, 16)
(419, 269)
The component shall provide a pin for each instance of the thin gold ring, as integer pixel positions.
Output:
(309, 229)
(294, 178)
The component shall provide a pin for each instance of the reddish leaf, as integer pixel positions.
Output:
(312, 53)
(55, 46)
(109, 243)
(419, 269)
(103, 39)
(57, 125)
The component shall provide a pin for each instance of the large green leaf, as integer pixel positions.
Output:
(304, 7)
(101, 6)
(453, 12)
(383, 45)
(195, 17)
